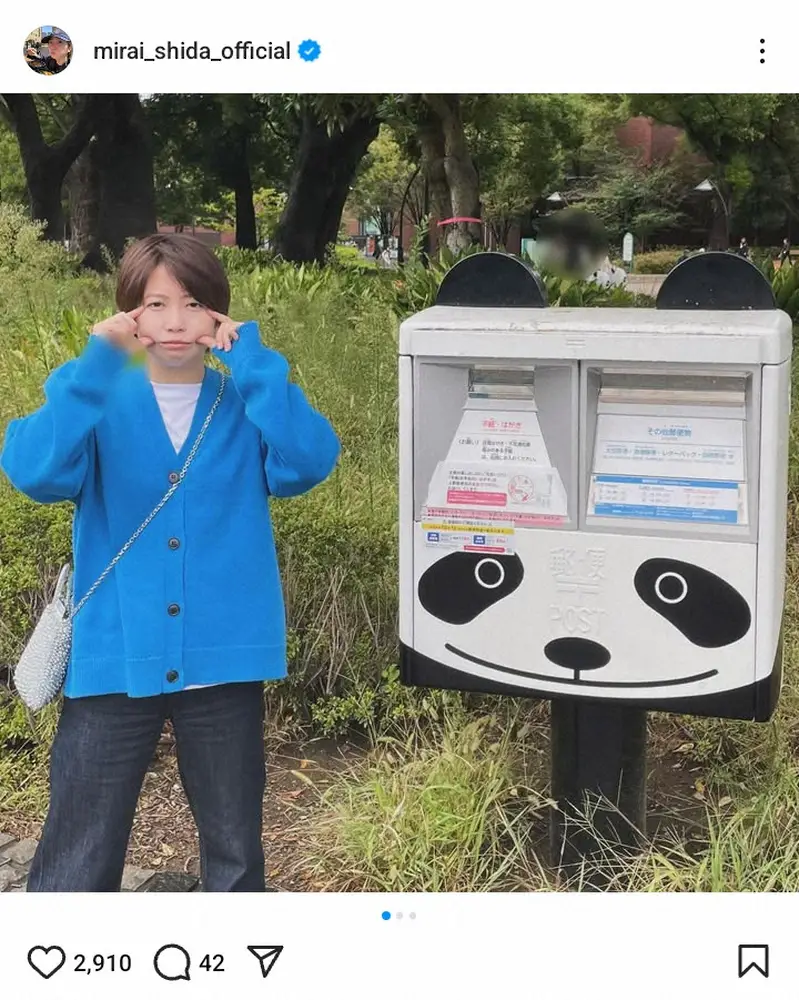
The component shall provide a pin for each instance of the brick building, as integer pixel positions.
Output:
(656, 143)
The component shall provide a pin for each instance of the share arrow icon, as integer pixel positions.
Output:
(267, 955)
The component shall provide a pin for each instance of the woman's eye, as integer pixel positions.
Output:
(194, 305)
(153, 304)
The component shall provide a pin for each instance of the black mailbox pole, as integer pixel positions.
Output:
(598, 767)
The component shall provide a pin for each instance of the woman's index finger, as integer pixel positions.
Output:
(217, 316)
(135, 313)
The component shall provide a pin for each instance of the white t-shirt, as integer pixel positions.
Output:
(177, 404)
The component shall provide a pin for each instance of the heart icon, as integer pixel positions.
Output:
(46, 961)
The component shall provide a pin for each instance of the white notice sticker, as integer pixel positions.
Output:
(513, 488)
(679, 447)
(499, 436)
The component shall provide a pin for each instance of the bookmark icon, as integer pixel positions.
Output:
(267, 955)
(753, 956)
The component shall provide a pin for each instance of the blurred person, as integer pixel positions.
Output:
(743, 248)
(190, 623)
(785, 252)
(572, 243)
(608, 275)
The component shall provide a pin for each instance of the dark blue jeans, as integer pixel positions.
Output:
(100, 755)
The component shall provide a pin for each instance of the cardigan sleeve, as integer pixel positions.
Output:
(300, 444)
(46, 454)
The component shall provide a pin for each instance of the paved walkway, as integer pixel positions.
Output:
(16, 856)
(645, 284)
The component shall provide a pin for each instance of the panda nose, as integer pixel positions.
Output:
(577, 654)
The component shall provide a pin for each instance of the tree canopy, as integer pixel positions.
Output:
(283, 167)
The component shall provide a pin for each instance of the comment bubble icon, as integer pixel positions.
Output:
(172, 962)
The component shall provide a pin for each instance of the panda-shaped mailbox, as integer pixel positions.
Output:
(593, 500)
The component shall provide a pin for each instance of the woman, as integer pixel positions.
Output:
(190, 622)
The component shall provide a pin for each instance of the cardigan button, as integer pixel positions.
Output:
(172, 676)
(173, 609)
(173, 477)
(174, 543)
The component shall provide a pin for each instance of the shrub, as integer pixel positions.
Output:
(785, 284)
(34, 542)
(566, 292)
(237, 260)
(656, 262)
(350, 258)
(23, 251)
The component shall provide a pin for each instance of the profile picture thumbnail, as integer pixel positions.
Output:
(48, 50)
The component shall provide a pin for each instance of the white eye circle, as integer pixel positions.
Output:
(489, 562)
(671, 576)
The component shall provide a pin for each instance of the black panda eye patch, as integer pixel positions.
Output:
(459, 587)
(706, 609)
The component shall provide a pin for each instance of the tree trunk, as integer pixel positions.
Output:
(82, 188)
(434, 152)
(46, 166)
(500, 230)
(122, 169)
(45, 179)
(246, 229)
(459, 171)
(720, 227)
(324, 168)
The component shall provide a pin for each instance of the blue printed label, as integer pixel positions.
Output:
(711, 501)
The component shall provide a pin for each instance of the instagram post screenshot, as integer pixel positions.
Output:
(398, 503)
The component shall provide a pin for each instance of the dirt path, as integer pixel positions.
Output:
(164, 837)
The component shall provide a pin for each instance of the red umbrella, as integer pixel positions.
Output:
(459, 218)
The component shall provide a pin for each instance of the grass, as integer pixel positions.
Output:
(440, 809)
(452, 793)
(749, 848)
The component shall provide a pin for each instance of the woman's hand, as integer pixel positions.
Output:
(123, 331)
(226, 332)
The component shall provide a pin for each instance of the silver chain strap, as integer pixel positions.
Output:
(164, 501)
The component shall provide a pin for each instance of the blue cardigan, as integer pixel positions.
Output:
(197, 599)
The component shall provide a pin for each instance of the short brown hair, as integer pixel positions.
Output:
(189, 261)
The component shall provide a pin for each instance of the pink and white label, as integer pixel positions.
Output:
(481, 499)
(528, 520)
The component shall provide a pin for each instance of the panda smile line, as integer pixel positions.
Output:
(578, 681)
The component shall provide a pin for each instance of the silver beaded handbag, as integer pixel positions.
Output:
(42, 668)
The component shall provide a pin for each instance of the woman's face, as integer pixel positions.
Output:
(59, 49)
(175, 320)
